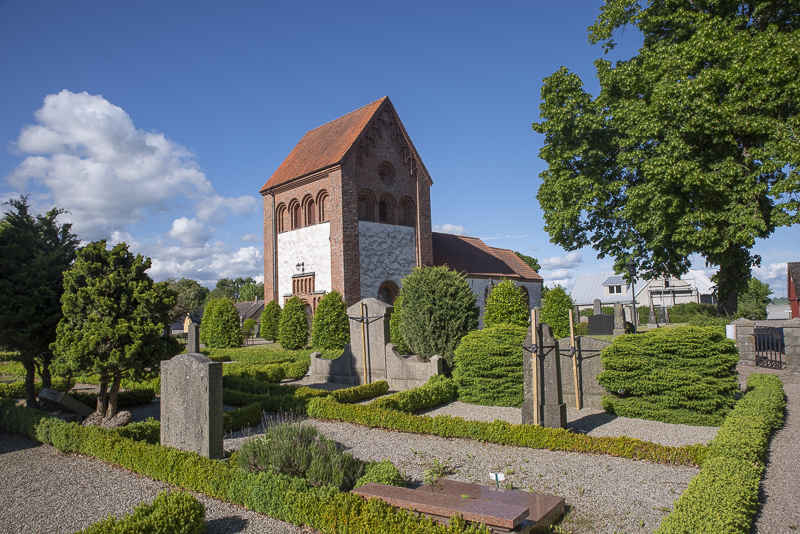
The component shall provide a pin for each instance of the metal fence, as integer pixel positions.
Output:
(770, 347)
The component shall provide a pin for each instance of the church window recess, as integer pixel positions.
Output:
(386, 209)
(366, 206)
(295, 214)
(322, 206)
(407, 215)
(388, 291)
(309, 211)
(303, 284)
(524, 291)
(280, 218)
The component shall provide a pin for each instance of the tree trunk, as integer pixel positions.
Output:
(47, 378)
(102, 398)
(112, 397)
(30, 383)
(730, 278)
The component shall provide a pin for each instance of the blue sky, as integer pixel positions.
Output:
(157, 123)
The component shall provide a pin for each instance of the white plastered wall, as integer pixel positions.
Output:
(386, 252)
(312, 247)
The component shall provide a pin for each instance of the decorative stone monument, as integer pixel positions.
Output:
(598, 307)
(662, 315)
(601, 325)
(791, 338)
(191, 404)
(193, 339)
(619, 319)
(542, 391)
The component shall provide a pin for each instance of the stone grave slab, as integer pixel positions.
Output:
(442, 506)
(57, 401)
(191, 404)
(543, 510)
(601, 325)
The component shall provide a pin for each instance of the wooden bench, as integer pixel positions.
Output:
(500, 509)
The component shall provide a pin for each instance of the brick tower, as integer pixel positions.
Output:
(347, 210)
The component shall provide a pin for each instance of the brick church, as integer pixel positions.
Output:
(349, 210)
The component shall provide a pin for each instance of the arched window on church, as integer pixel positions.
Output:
(524, 291)
(366, 206)
(388, 291)
(407, 215)
(294, 211)
(309, 210)
(386, 209)
(322, 206)
(280, 218)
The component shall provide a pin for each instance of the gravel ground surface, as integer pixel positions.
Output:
(604, 494)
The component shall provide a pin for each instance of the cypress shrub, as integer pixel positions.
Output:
(683, 313)
(220, 328)
(293, 329)
(270, 320)
(506, 304)
(438, 310)
(488, 366)
(555, 311)
(394, 328)
(676, 375)
(249, 325)
(331, 329)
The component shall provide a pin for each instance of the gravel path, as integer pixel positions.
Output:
(604, 494)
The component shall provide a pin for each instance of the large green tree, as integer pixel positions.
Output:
(115, 319)
(35, 250)
(532, 262)
(230, 288)
(690, 147)
(754, 300)
(191, 297)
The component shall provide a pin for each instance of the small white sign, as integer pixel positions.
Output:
(497, 476)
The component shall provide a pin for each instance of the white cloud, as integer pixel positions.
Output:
(108, 174)
(570, 261)
(773, 274)
(559, 273)
(190, 232)
(449, 228)
(207, 264)
(563, 282)
(251, 238)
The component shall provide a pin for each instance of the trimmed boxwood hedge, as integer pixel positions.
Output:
(280, 496)
(681, 375)
(723, 497)
(438, 390)
(488, 366)
(174, 512)
(503, 433)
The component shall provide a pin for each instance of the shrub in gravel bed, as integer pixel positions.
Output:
(280, 496)
(503, 433)
(250, 415)
(438, 390)
(171, 513)
(488, 366)
(723, 497)
(684, 375)
(357, 393)
(148, 431)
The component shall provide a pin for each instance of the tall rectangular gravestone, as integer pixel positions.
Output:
(547, 397)
(191, 404)
(193, 339)
(619, 319)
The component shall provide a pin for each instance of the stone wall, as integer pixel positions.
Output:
(387, 252)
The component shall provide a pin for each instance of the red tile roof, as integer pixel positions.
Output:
(472, 256)
(324, 146)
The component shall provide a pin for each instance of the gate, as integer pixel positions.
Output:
(770, 347)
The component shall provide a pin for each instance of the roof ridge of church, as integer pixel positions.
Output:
(326, 145)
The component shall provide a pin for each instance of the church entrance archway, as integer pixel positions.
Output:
(388, 291)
